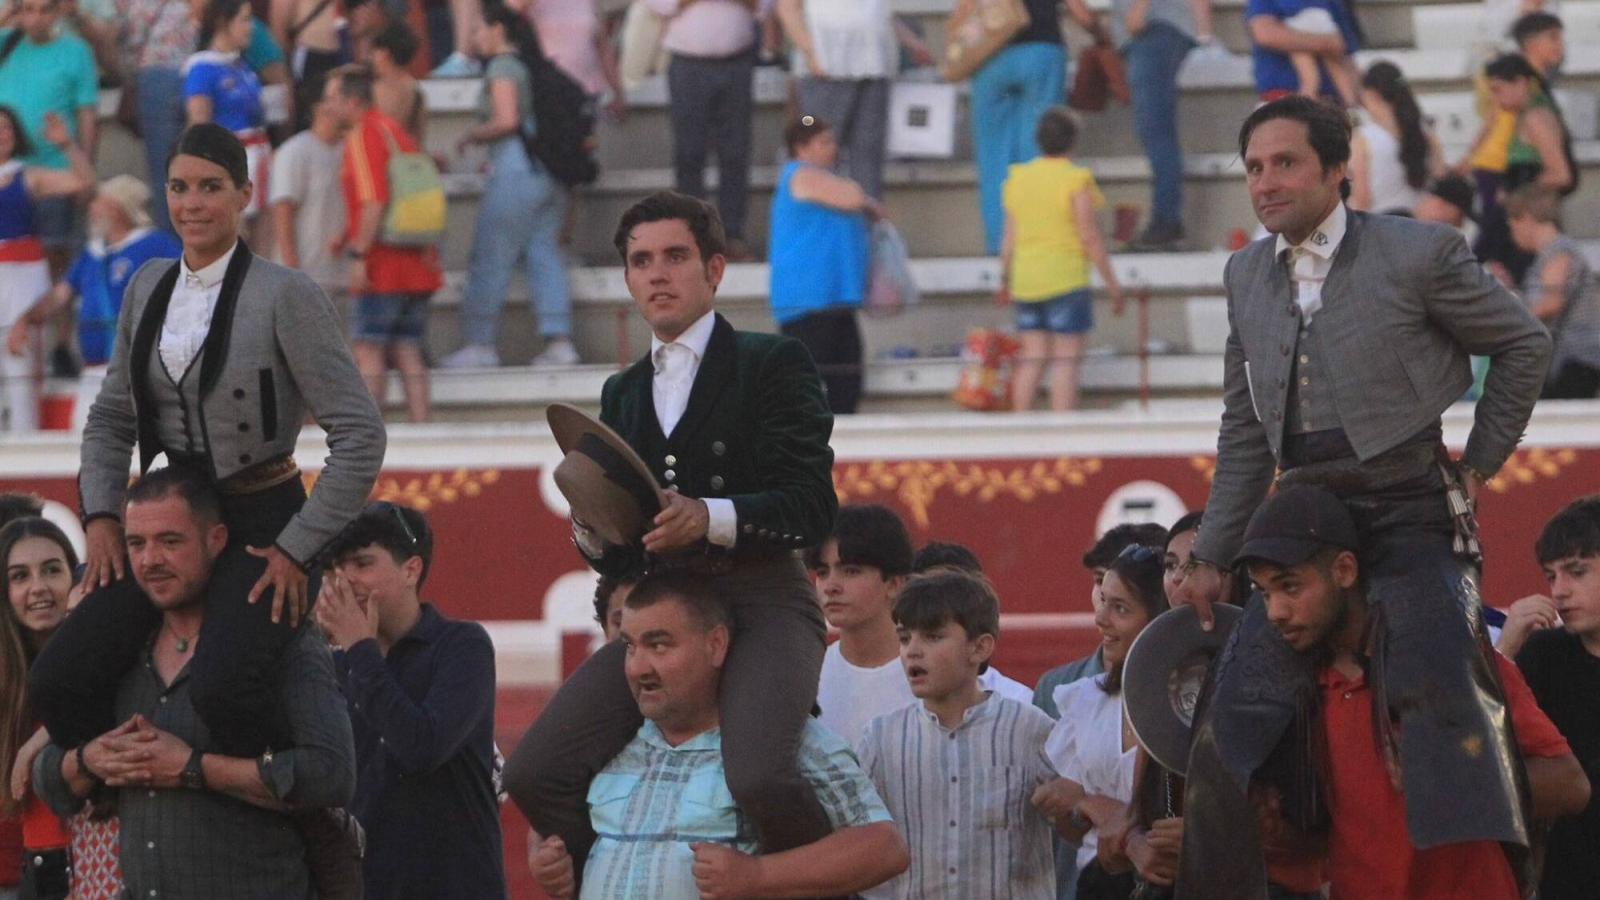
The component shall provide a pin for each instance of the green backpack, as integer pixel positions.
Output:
(415, 216)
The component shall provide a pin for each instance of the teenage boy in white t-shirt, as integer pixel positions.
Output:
(858, 572)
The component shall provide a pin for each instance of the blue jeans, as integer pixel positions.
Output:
(519, 217)
(1009, 93)
(1154, 57)
(160, 123)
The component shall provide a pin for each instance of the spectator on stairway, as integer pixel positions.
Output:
(819, 249)
(846, 53)
(260, 52)
(121, 239)
(1154, 38)
(396, 92)
(709, 83)
(308, 214)
(309, 31)
(44, 72)
(1051, 238)
(466, 17)
(156, 39)
(1559, 289)
(391, 284)
(522, 210)
(1539, 152)
(367, 18)
(1448, 201)
(573, 36)
(1009, 93)
(218, 86)
(1393, 153)
(24, 271)
(1274, 39)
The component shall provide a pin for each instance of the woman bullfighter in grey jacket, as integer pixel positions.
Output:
(218, 359)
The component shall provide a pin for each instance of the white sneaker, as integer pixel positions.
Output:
(1211, 50)
(458, 65)
(557, 352)
(472, 356)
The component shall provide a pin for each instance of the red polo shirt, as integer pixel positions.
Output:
(1370, 855)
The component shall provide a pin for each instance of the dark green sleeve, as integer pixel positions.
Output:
(792, 428)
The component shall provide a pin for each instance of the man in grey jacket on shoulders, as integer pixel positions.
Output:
(1349, 336)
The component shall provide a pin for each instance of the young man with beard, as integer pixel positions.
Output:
(196, 824)
(421, 693)
(1300, 549)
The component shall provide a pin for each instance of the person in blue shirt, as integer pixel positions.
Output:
(121, 239)
(220, 86)
(1274, 41)
(819, 251)
(421, 692)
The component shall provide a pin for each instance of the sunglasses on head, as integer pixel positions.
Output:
(400, 517)
(1139, 553)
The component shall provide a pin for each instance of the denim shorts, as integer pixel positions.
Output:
(390, 318)
(1070, 313)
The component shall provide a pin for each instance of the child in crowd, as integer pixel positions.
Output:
(958, 768)
(859, 571)
(1091, 745)
(1051, 237)
(1557, 288)
(1308, 67)
(1562, 666)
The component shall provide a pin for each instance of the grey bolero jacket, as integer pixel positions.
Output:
(275, 351)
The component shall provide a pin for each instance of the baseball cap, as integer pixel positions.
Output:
(1295, 524)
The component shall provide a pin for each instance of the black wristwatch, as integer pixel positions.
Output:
(194, 776)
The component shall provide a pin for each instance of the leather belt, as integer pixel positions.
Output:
(253, 480)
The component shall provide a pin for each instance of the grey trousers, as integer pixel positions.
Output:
(858, 110)
(769, 686)
(712, 109)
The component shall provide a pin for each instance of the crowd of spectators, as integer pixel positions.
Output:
(260, 69)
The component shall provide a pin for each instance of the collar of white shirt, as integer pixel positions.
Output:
(1324, 239)
(211, 275)
(696, 337)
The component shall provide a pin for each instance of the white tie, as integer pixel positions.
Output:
(673, 365)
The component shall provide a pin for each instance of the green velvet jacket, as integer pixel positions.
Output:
(755, 431)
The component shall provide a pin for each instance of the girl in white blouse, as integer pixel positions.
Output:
(1092, 746)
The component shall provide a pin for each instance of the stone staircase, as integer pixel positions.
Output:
(934, 203)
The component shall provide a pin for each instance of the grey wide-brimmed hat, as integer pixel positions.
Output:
(1163, 676)
(610, 489)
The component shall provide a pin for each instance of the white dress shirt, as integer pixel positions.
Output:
(194, 299)
(1311, 259)
(676, 365)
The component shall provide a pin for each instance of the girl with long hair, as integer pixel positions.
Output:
(1092, 746)
(1392, 154)
(39, 562)
(219, 86)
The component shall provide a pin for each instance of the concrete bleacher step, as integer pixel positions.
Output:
(1456, 25)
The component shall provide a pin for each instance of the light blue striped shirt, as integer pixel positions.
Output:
(654, 800)
(962, 801)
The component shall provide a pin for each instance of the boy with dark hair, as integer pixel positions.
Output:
(1562, 666)
(421, 691)
(958, 768)
(610, 594)
(944, 554)
(859, 571)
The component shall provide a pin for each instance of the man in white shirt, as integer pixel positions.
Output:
(735, 426)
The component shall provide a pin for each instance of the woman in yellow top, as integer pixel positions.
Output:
(1051, 236)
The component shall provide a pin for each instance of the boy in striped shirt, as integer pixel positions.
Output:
(957, 769)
